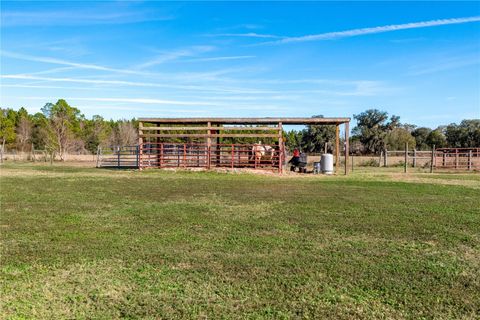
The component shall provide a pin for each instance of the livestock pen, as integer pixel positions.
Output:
(200, 142)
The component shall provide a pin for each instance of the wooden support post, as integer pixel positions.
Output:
(352, 161)
(406, 158)
(444, 159)
(380, 158)
(218, 150)
(347, 146)
(140, 145)
(161, 155)
(209, 144)
(432, 159)
(337, 148)
(281, 149)
(414, 158)
(157, 147)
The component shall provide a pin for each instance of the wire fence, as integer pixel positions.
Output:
(436, 159)
(255, 156)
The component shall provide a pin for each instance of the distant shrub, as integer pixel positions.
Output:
(398, 164)
(426, 164)
(369, 163)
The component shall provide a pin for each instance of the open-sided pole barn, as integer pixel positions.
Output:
(159, 144)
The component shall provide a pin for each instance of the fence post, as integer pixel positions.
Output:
(406, 158)
(385, 158)
(33, 153)
(456, 158)
(161, 155)
(140, 154)
(470, 160)
(137, 151)
(178, 156)
(198, 156)
(444, 158)
(432, 159)
(98, 156)
(414, 158)
(352, 160)
(238, 156)
(118, 157)
(184, 155)
(380, 158)
(233, 153)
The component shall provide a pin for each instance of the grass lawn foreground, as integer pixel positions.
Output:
(81, 242)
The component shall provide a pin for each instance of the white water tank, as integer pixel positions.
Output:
(326, 163)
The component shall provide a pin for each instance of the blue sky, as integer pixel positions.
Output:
(121, 59)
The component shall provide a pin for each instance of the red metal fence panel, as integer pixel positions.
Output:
(191, 155)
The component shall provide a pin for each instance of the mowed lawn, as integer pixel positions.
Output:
(93, 243)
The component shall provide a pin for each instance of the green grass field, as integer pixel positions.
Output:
(91, 243)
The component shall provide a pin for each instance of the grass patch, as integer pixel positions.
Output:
(91, 243)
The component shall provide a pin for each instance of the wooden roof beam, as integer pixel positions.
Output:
(247, 121)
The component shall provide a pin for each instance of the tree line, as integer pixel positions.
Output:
(60, 129)
(376, 131)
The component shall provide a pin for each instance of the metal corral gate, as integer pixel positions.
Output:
(118, 157)
(192, 155)
(200, 155)
(457, 158)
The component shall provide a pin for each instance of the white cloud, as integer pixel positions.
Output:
(447, 64)
(87, 13)
(54, 70)
(219, 58)
(169, 110)
(46, 87)
(245, 35)
(374, 30)
(146, 101)
(324, 87)
(139, 84)
(132, 100)
(26, 57)
(174, 55)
